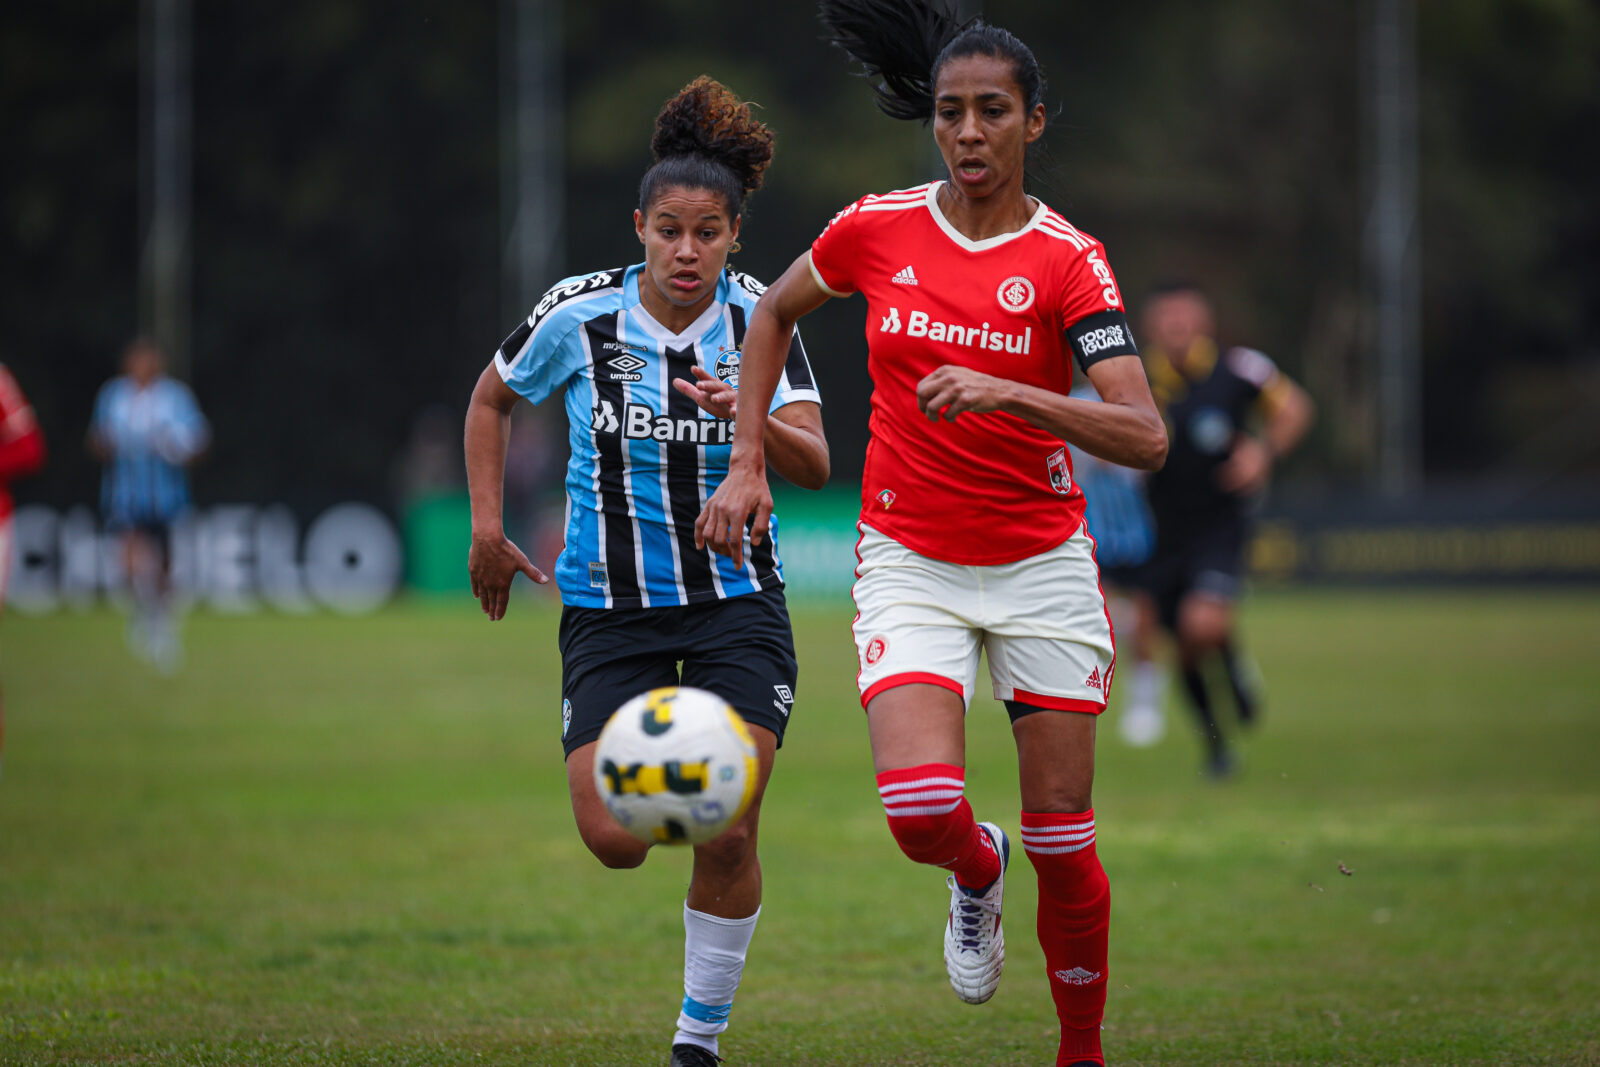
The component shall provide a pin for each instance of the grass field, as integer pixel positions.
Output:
(336, 841)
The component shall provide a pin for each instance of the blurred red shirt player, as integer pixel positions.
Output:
(21, 453)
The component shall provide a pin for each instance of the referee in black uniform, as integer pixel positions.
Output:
(1231, 414)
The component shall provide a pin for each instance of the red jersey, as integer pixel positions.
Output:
(986, 488)
(21, 442)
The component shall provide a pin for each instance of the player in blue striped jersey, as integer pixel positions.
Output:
(1117, 512)
(646, 360)
(643, 452)
(147, 430)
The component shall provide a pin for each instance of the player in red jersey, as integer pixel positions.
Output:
(21, 452)
(979, 299)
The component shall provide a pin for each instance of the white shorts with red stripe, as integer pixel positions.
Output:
(1041, 621)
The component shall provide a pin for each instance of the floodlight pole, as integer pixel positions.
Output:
(1393, 242)
(532, 152)
(166, 183)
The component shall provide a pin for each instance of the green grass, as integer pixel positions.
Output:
(336, 841)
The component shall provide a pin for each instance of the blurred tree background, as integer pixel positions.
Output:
(348, 228)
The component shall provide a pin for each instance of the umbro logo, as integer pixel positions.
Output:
(907, 276)
(785, 699)
(626, 367)
(1093, 681)
(1078, 976)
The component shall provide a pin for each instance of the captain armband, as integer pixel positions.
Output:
(1101, 336)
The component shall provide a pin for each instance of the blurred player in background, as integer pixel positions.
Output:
(979, 299)
(21, 453)
(1118, 517)
(147, 430)
(648, 360)
(1231, 414)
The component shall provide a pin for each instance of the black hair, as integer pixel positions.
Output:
(907, 42)
(706, 138)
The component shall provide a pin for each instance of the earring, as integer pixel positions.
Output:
(735, 247)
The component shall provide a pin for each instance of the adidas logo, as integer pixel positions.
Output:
(1093, 681)
(905, 277)
(1078, 976)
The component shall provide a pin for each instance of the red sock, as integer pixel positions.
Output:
(1074, 925)
(933, 822)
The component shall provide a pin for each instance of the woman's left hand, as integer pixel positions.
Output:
(715, 396)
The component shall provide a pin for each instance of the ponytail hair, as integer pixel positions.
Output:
(706, 138)
(906, 43)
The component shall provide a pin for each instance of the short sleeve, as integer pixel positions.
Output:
(1256, 369)
(797, 382)
(833, 253)
(543, 353)
(1264, 384)
(100, 421)
(190, 431)
(1092, 314)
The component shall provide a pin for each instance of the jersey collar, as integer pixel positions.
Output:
(660, 333)
(988, 242)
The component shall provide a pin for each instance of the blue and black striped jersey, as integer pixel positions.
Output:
(1114, 505)
(644, 457)
(153, 433)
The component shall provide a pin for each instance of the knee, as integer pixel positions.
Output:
(1200, 631)
(613, 846)
(730, 852)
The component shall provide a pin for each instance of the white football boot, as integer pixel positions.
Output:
(974, 943)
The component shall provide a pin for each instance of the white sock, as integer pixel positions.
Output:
(1149, 686)
(713, 962)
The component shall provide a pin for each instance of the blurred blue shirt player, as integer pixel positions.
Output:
(1117, 512)
(1115, 509)
(147, 430)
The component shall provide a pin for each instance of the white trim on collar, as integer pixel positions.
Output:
(988, 242)
(692, 332)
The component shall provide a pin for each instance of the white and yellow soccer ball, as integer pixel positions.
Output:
(676, 766)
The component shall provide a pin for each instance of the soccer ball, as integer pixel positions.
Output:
(675, 766)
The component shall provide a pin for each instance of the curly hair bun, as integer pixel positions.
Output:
(706, 119)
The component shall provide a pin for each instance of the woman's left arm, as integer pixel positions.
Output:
(1123, 427)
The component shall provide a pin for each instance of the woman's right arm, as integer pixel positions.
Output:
(744, 496)
(493, 561)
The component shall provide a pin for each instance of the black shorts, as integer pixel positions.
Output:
(741, 649)
(1204, 557)
(158, 532)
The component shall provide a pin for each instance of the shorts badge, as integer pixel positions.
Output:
(886, 498)
(875, 649)
(566, 717)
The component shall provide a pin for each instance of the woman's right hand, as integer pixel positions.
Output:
(493, 562)
(742, 498)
